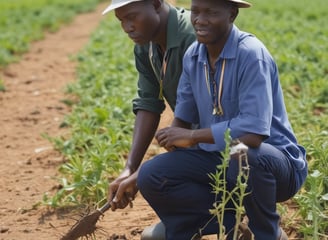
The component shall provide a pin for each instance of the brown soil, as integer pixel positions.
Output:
(31, 106)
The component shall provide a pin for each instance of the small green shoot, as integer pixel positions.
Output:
(2, 86)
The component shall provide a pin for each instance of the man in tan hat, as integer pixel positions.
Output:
(229, 82)
(161, 33)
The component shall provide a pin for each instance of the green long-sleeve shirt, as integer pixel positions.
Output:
(180, 34)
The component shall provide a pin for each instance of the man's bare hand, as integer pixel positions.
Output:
(122, 191)
(172, 137)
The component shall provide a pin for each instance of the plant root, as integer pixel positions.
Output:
(85, 227)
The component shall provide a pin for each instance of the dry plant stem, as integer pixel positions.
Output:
(237, 194)
(222, 230)
(243, 174)
(223, 187)
(86, 226)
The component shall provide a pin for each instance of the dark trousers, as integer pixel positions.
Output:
(177, 186)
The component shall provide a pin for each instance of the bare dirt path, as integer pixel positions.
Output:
(31, 106)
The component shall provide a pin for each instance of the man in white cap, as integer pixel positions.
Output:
(162, 33)
(229, 81)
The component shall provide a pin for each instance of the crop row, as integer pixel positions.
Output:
(22, 21)
(101, 122)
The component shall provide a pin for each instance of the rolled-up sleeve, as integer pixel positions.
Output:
(255, 100)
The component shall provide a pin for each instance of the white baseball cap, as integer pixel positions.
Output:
(117, 4)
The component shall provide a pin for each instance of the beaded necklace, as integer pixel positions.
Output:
(213, 90)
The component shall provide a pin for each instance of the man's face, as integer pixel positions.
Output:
(139, 20)
(212, 20)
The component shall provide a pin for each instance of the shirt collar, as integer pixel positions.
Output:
(172, 28)
(229, 50)
(231, 46)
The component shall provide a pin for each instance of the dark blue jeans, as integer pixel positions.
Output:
(177, 186)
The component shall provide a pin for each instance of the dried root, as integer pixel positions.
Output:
(85, 227)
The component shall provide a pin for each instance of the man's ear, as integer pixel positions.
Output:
(234, 13)
(157, 5)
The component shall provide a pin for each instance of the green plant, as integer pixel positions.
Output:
(101, 120)
(314, 207)
(23, 21)
(2, 86)
(234, 151)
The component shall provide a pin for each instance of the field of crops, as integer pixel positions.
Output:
(22, 21)
(101, 122)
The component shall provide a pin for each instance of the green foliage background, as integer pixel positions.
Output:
(22, 21)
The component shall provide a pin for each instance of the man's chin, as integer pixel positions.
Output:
(202, 39)
(138, 41)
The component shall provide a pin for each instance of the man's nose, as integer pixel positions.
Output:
(127, 27)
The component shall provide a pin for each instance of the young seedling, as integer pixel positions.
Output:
(234, 151)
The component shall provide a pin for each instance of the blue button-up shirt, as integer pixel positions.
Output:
(252, 98)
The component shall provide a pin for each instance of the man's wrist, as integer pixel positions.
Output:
(192, 137)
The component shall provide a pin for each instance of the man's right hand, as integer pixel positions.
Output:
(122, 190)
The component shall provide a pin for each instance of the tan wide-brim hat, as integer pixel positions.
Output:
(117, 4)
(241, 4)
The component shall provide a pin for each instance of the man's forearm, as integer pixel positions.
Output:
(179, 123)
(252, 140)
(145, 126)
